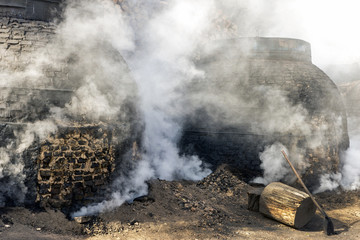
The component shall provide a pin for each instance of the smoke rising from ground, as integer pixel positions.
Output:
(160, 51)
(86, 46)
(12, 161)
(349, 178)
(275, 168)
(351, 165)
(161, 66)
(329, 27)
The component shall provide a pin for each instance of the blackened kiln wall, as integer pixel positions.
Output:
(301, 81)
(74, 165)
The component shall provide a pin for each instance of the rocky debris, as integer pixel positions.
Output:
(202, 202)
(83, 219)
(39, 220)
(224, 180)
(186, 210)
(6, 221)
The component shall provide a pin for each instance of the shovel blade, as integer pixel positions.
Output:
(329, 227)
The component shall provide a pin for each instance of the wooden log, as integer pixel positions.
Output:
(254, 198)
(286, 204)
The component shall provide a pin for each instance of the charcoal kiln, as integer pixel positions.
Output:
(350, 92)
(74, 164)
(227, 120)
(238, 111)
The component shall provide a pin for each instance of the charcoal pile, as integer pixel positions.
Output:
(224, 180)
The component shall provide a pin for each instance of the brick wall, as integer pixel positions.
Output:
(19, 39)
(30, 9)
(75, 165)
(218, 140)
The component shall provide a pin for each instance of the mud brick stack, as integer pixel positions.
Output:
(75, 165)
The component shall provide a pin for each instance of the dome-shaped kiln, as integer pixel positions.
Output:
(259, 91)
(74, 163)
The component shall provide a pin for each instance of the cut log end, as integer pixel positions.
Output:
(286, 204)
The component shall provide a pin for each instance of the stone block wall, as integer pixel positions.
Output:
(20, 39)
(21, 36)
(29, 104)
(351, 94)
(74, 165)
(234, 135)
(20, 99)
(30, 9)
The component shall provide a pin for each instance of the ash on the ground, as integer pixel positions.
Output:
(213, 208)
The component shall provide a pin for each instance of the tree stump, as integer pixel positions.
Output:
(286, 204)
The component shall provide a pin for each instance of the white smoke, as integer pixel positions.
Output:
(14, 188)
(161, 66)
(349, 177)
(92, 36)
(351, 165)
(124, 189)
(91, 39)
(164, 69)
(39, 129)
(273, 164)
(329, 182)
(12, 161)
(278, 114)
(87, 43)
(90, 42)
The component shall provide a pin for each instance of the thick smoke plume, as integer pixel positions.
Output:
(95, 38)
(87, 44)
(351, 166)
(161, 67)
(273, 164)
(12, 161)
(349, 178)
(160, 53)
(334, 48)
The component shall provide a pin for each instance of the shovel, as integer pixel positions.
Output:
(328, 225)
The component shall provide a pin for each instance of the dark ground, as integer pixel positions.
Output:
(214, 208)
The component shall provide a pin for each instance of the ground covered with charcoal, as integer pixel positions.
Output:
(214, 208)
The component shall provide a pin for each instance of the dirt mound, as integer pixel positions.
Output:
(226, 180)
(22, 223)
(213, 208)
(180, 201)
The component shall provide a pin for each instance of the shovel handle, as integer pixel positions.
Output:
(304, 186)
